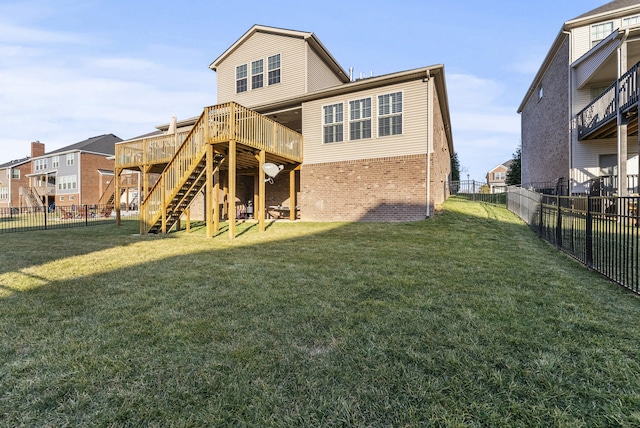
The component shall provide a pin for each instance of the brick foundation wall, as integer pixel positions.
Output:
(384, 189)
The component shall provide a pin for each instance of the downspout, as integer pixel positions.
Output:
(429, 138)
(571, 122)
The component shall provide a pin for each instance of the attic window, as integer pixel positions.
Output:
(600, 31)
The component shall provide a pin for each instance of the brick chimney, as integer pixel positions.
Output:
(37, 149)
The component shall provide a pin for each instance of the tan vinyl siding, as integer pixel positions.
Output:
(261, 46)
(414, 129)
(582, 41)
(319, 76)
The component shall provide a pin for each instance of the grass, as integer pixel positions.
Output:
(463, 320)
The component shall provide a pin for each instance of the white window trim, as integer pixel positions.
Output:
(377, 111)
(279, 68)
(323, 125)
(371, 118)
(246, 77)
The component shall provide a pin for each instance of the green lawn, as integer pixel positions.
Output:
(466, 319)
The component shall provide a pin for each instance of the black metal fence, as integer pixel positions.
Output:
(43, 218)
(601, 232)
(477, 191)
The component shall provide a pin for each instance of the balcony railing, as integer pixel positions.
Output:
(607, 185)
(621, 96)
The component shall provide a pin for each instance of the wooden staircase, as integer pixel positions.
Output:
(31, 197)
(181, 200)
(183, 158)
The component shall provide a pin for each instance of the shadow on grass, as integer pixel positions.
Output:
(370, 324)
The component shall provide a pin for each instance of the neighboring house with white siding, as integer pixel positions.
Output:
(580, 114)
(375, 148)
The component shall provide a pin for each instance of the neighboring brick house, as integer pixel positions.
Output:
(14, 178)
(74, 175)
(580, 114)
(497, 176)
(375, 148)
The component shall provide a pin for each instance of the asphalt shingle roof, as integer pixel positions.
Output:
(611, 6)
(105, 144)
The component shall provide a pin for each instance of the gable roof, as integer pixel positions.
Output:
(309, 37)
(16, 162)
(103, 144)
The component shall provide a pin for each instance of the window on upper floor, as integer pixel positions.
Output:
(600, 32)
(241, 78)
(273, 67)
(55, 162)
(632, 20)
(333, 123)
(15, 174)
(40, 164)
(257, 74)
(390, 114)
(70, 159)
(499, 176)
(360, 119)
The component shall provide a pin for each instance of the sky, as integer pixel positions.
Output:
(75, 69)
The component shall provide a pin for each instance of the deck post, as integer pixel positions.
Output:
(163, 212)
(208, 193)
(116, 192)
(216, 200)
(232, 189)
(261, 208)
(292, 194)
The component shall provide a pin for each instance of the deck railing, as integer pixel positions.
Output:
(218, 123)
(225, 122)
(621, 95)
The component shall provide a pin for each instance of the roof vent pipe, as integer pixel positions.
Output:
(350, 74)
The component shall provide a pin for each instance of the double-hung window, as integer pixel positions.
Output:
(241, 78)
(333, 123)
(40, 164)
(390, 114)
(15, 174)
(360, 119)
(257, 74)
(273, 67)
(70, 159)
(600, 32)
(55, 162)
(68, 182)
(4, 193)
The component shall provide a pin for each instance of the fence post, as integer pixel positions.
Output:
(540, 224)
(589, 234)
(45, 217)
(559, 224)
